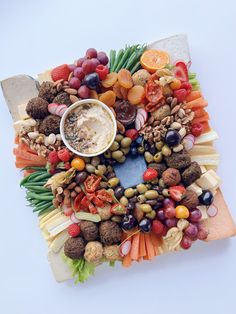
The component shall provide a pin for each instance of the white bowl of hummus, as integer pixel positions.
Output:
(88, 128)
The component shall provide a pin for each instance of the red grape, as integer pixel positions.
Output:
(80, 61)
(171, 222)
(157, 227)
(186, 243)
(71, 67)
(88, 66)
(84, 92)
(102, 57)
(95, 62)
(91, 53)
(169, 212)
(191, 231)
(168, 202)
(202, 234)
(78, 72)
(195, 215)
(74, 82)
(161, 215)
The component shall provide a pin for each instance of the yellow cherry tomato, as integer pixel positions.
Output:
(176, 84)
(181, 212)
(78, 163)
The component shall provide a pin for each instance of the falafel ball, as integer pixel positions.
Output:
(190, 200)
(161, 167)
(89, 230)
(93, 252)
(171, 176)
(50, 124)
(191, 174)
(62, 98)
(48, 91)
(110, 232)
(104, 212)
(37, 108)
(74, 247)
(112, 252)
(180, 160)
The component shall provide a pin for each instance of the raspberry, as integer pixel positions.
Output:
(64, 155)
(73, 230)
(60, 72)
(53, 157)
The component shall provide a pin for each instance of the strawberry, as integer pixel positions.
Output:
(181, 71)
(64, 155)
(187, 86)
(150, 174)
(180, 94)
(177, 192)
(74, 230)
(60, 72)
(53, 157)
(132, 133)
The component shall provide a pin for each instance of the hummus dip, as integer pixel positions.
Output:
(88, 128)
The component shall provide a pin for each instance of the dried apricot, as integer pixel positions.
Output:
(124, 92)
(108, 98)
(125, 78)
(93, 94)
(110, 79)
(117, 91)
(135, 94)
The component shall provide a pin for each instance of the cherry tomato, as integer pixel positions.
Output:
(78, 163)
(102, 71)
(182, 212)
(196, 129)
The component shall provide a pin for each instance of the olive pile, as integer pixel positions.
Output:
(119, 149)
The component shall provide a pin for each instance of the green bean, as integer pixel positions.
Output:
(42, 207)
(117, 60)
(112, 58)
(38, 189)
(28, 177)
(123, 59)
(40, 196)
(35, 202)
(35, 168)
(135, 68)
(41, 177)
(44, 211)
(26, 185)
(131, 58)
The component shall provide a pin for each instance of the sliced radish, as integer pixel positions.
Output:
(143, 112)
(74, 219)
(138, 124)
(52, 108)
(125, 248)
(212, 210)
(141, 118)
(188, 142)
(62, 111)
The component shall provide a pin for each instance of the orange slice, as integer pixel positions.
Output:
(153, 60)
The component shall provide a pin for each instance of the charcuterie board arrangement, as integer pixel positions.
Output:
(118, 158)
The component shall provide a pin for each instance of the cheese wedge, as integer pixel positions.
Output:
(202, 150)
(60, 269)
(59, 241)
(206, 137)
(195, 188)
(208, 181)
(22, 112)
(207, 160)
(46, 216)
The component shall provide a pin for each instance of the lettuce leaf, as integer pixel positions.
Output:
(81, 269)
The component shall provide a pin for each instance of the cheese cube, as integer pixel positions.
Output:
(207, 181)
(203, 210)
(195, 188)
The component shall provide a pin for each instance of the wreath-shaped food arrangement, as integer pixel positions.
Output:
(118, 158)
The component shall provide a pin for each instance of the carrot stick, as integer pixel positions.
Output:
(127, 261)
(203, 118)
(193, 95)
(205, 127)
(135, 247)
(149, 247)
(26, 148)
(17, 139)
(142, 248)
(196, 103)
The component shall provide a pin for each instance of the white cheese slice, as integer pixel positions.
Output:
(195, 188)
(207, 160)
(206, 137)
(22, 112)
(203, 169)
(208, 181)
(45, 76)
(58, 225)
(202, 150)
(59, 241)
(46, 216)
(60, 269)
(203, 210)
(50, 220)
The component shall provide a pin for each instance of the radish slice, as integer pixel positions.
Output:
(212, 210)
(138, 124)
(74, 219)
(141, 118)
(188, 142)
(52, 108)
(125, 248)
(62, 111)
(143, 112)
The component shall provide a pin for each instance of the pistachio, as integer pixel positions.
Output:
(178, 148)
(33, 135)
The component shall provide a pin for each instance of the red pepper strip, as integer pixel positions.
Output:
(97, 202)
(91, 183)
(77, 200)
(90, 196)
(85, 202)
(104, 195)
(92, 208)
(150, 107)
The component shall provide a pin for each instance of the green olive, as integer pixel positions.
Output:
(141, 198)
(124, 200)
(165, 192)
(161, 183)
(86, 159)
(114, 146)
(148, 157)
(103, 184)
(121, 160)
(159, 145)
(166, 151)
(141, 188)
(117, 154)
(113, 182)
(155, 181)
(151, 215)
(151, 194)
(126, 142)
(107, 154)
(116, 219)
(90, 168)
(119, 137)
(141, 150)
(146, 208)
(95, 161)
(158, 157)
(102, 168)
(129, 192)
(125, 150)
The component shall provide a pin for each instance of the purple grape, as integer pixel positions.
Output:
(170, 212)
(168, 202)
(91, 53)
(191, 231)
(74, 82)
(95, 62)
(195, 215)
(71, 67)
(102, 57)
(78, 72)
(171, 222)
(161, 215)
(202, 234)
(84, 92)
(80, 62)
(186, 243)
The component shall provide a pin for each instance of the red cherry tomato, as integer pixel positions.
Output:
(196, 129)
(102, 71)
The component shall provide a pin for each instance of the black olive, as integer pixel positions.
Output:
(129, 222)
(206, 198)
(172, 138)
(145, 225)
(119, 191)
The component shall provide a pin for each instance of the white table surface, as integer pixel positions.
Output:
(35, 35)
